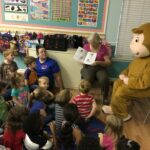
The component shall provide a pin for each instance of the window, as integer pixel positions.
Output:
(134, 13)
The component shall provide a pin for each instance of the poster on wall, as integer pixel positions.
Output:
(16, 17)
(61, 11)
(16, 1)
(16, 8)
(88, 12)
(39, 9)
(70, 16)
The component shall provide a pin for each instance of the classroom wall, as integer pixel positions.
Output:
(111, 36)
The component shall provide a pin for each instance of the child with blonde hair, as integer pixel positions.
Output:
(113, 132)
(113, 138)
(20, 92)
(8, 68)
(43, 82)
(85, 102)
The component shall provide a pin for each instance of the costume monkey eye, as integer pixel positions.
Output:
(137, 39)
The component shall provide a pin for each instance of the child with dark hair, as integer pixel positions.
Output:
(13, 133)
(20, 91)
(61, 99)
(70, 133)
(30, 73)
(35, 138)
(89, 143)
(8, 68)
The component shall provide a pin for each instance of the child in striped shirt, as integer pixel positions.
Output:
(86, 103)
(62, 98)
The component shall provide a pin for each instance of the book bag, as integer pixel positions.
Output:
(127, 144)
(58, 42)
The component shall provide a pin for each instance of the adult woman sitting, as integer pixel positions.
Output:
(97, 71)
(46, 66)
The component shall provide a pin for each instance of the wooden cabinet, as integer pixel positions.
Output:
(70, 69)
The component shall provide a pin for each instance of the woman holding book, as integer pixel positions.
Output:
(97, 70)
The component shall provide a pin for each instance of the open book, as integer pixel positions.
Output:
(81, 55)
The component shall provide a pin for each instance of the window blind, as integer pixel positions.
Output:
(134, 13)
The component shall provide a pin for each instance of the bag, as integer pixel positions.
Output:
(5, 41)
(7, 36)
(78, 41)
(4, 44)
(127, 144)
(56, 42)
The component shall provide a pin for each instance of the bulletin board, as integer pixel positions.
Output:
(72, 16)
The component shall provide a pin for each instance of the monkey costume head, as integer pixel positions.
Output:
(140, 43)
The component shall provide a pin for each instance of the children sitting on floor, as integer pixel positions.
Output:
(13, 133)
(41, 97)
(20, 92)
(85, 103)
(113, 131)
(43, 82)
(35, 138)
(113, 136)
(61, 99)
(71, 135)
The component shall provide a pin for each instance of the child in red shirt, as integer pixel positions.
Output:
(86, 103)
(13, 133)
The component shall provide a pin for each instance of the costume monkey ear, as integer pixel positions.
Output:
(137, 30)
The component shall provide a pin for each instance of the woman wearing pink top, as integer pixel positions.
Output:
(97, 71)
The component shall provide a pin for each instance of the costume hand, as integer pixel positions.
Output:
(121, 76)
(125, 80)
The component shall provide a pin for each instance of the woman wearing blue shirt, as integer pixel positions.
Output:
(46, 66)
